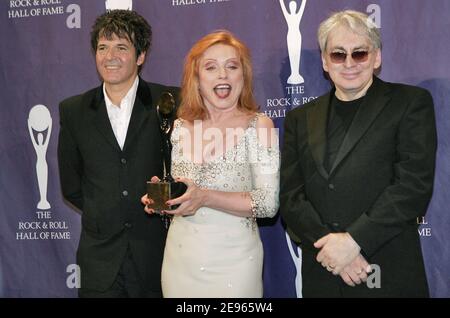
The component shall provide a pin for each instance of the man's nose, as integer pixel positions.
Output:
(110, 54)
(349, 62)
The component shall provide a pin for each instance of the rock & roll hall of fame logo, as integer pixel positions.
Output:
(40, 129)
(119, 5)
(293, 83)
(293, 16)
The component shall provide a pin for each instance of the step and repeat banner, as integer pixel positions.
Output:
(45, 57)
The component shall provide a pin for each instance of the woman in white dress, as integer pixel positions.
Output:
(228, 155)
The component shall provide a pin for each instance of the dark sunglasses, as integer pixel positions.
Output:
(357, 56)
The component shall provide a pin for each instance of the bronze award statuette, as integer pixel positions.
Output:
(167, 188)
(162, 191)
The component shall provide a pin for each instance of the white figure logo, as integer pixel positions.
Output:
(298, 265)
(39, 121)
(119, 5)
(294, 39)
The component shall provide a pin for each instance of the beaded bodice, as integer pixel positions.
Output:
(247, 167)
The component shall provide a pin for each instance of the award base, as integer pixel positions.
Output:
(161, 192)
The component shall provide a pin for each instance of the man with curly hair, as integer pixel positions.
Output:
(109, 146)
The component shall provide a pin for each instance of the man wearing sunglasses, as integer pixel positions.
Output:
(357, 171)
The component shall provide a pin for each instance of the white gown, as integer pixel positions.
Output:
(213, 253)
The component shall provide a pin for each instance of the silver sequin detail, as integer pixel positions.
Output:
(248, 165)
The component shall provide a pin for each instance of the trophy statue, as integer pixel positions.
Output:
(119, 5)
(166, 189)
(40, 123)
(294, 39)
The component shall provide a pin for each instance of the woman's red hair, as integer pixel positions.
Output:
(192, 106)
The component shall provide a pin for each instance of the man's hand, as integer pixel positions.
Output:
(337, 251)
(146, 201)
(356, 272)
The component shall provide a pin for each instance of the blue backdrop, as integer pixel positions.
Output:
(45, 57)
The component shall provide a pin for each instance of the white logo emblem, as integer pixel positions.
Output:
(298, 265)
(40, 128)
(119, 5)
(294, 39)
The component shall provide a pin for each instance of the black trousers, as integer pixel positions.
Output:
(127, 284)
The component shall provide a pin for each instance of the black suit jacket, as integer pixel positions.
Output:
(106, 184)
(379, 184)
